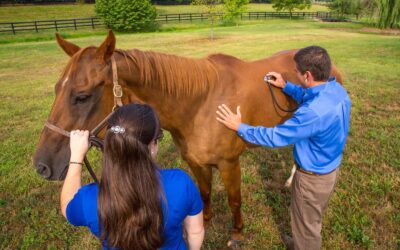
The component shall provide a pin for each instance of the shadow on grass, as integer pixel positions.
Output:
(274, 169)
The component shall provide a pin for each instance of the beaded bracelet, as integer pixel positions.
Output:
(77, 163)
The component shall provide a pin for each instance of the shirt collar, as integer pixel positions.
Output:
(311, 92)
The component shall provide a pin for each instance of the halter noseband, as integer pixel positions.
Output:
(93, 139)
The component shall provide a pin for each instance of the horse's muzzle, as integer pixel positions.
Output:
(44, 170)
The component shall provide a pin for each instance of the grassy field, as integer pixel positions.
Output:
(31, 13)
(364, 212)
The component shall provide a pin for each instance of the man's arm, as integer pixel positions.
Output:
(303, 124)
(294, 91)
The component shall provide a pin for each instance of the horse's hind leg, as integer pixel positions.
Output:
(204, 180)
(230, 174)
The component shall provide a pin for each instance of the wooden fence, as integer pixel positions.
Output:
(94, 22)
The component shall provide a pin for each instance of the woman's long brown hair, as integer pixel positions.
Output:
(130, 194)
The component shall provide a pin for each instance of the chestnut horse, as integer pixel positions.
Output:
(184, 92)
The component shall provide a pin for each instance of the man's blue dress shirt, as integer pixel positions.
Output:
(318, 128)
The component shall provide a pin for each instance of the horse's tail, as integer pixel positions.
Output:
(335, 72)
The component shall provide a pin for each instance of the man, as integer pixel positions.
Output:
(318, 129)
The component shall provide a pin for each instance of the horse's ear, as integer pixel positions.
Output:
(106, 49)
(68, 47)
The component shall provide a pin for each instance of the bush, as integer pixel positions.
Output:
(127, 15)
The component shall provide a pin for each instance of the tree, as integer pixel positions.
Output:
(233, 9)
(341, 7)
(384, 13)
(213, 8)
(127, 15)
(388, 13)
(290, 5)
(347, 7)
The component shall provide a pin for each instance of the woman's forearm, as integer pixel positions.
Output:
(195, 240)
(79, 145)
(71, 185)
(195, 230)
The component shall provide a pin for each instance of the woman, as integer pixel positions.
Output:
(136, 205)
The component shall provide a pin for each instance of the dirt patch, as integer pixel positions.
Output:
(395, 32)
(392, 32)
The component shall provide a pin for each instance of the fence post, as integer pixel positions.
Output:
(166, 18)
(55, 25)
(36, 28)
(179, 17)
(12, 27)
(75, 24)
(190, 17)
(92, 22)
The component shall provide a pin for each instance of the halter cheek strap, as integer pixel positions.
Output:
(117, 89)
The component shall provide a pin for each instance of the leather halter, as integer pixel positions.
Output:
(93, 139)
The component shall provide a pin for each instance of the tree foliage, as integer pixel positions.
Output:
(291, 5)
(213, 8)
(388, 14)
(384, 13)
(127, 15)
(233, 9)
(344, 7)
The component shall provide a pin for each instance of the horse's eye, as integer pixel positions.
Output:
(81, 98)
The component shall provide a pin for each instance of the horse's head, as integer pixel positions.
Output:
(84, 96)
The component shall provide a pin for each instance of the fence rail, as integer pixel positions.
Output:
(94, 22)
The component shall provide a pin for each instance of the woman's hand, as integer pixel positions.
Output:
(228, 118)
(79, 144)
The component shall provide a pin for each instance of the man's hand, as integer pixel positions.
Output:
(278, 81)
(229, 119)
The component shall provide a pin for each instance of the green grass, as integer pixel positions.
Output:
(364, 211)
(49, 12)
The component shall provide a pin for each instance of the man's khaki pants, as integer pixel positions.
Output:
(310, 197)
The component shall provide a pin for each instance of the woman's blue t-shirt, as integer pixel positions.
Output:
(182, 198)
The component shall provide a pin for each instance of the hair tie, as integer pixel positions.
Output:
(117, 130)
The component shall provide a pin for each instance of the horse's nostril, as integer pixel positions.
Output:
(44, 170)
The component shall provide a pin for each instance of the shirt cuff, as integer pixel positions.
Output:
(289, 88)
(243, 129)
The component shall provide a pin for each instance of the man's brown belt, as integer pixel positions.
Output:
(298, 168)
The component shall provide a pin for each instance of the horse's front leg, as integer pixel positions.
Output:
(230, 174)
(203, 176)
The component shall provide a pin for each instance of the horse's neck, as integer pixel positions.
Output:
(175, 99)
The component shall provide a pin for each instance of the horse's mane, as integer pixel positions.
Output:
(175, 75)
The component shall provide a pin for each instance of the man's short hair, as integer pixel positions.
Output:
(314, 59)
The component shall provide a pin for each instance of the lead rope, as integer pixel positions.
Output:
(98, 143)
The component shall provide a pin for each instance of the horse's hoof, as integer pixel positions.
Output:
(234, 244)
